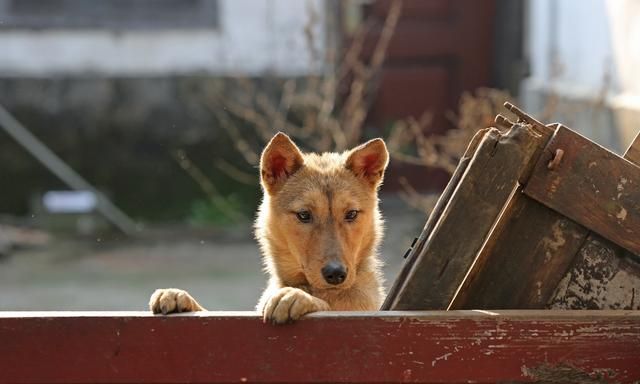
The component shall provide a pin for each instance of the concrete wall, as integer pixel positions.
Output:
(254, 37)
(115, 103)
(586, 53)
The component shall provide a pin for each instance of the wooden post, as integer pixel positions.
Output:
(442, 202)
(488, 182)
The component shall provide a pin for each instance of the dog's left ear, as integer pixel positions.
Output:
(280, 159)
(369, 161)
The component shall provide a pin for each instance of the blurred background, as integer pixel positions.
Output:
(130, 130)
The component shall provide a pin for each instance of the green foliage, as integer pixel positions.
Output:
(219, 211)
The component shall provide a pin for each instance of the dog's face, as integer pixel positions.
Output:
(319, 217)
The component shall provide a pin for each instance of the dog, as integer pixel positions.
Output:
(318, 227)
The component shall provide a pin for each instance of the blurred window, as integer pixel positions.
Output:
(109, 14)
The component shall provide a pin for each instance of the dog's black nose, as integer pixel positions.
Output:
(334, 273)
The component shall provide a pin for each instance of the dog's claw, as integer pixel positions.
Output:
(289, 304)
(172, 300)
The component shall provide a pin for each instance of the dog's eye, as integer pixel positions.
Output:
(351, 215)
(304, 216)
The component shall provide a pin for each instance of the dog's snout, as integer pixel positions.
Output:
(334, 273)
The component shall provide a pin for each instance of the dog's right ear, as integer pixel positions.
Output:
(280, 159)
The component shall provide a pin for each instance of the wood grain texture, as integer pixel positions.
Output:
(520, 266)
(443, 347)
(633, 152)
(486, 186)
(442, 202)
(592, 186)
(603, 275)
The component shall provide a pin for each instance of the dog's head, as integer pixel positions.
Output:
(319, 218)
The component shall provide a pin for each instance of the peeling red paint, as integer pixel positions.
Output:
(445, 347)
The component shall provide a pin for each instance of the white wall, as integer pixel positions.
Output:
(624, 16)
(587, 51)
(255, 36)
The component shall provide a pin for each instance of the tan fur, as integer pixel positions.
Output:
(173, 300)
(327, 186)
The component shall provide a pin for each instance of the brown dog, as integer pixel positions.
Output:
(318, 227)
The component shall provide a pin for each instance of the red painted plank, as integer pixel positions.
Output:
(442, 347)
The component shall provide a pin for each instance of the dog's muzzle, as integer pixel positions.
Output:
(334, 273)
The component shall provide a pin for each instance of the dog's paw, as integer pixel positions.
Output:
(289, 304)
(172, 300)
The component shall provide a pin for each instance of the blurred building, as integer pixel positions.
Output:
(115, 87)
(43, 38)
(583, 59)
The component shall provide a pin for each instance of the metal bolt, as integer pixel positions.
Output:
(557, 158)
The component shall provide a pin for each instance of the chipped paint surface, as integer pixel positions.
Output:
(552, 245)
(604, 277)
(622, 215)
(563, 373)
(595, 188)
(443, 357)
(442, 347)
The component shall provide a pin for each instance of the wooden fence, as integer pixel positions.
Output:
(223, 347)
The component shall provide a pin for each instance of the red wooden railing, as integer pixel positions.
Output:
(213, 347)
